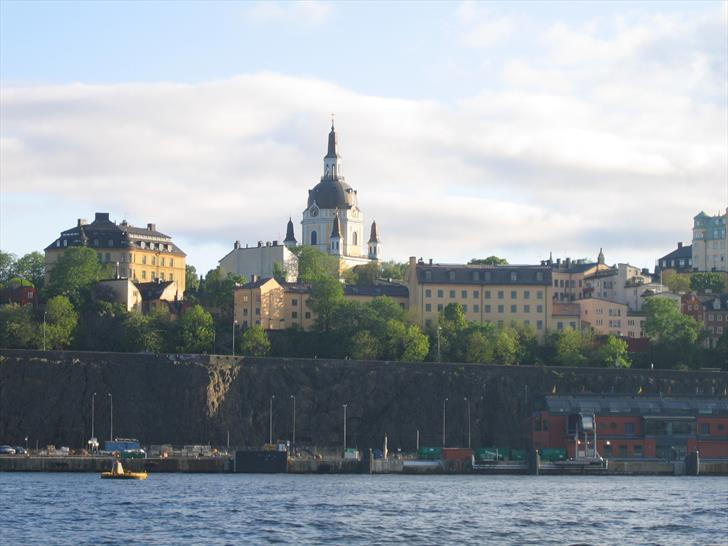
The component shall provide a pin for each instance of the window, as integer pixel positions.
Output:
(526, 294)
(539, 308)
(440, 293)
(465, 308)
(539, 295)
(539, 325)
(245, 299)
(452, 293)
(476, 276)
(162, 261)
(704, 428)
(111, 242)
(171, 276)
(476, 308)
(245, 311)
(428, 293)
(108, 257)
(314, 237)
(354, 238)
(257, 311)
(556, 283)
(463, 294)
(501, 309)
(439, 307)
(428, 275)
(637, 450)
(622, 451)
(307, 314)
(486, 294)
(514, 276)
(451, 275)
(161, 275)
(144, 274)
(294, 314)
(294, 301)
(487, 308)
(500, 294)
(171, 262)
(154, 260)
(559, 325)
(526, 308)
(144, 260)
(476, 294)
(428, 322)
(572, 324)
(629, 428)
(487, 275)
(514, 308)
(428, 307)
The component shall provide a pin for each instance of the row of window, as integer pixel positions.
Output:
(487, 308)
(501, 324)
(561, 283)
(486, 276)
(715, 318)
(106, 257)
(487, 294)
(152, 275)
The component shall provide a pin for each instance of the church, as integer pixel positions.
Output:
(331, 222)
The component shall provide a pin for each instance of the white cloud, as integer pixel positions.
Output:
(616, 145)
(478, 26)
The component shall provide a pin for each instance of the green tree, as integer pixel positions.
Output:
(73, 275)
(364, 346)
(613, 354)
(673, 336)
(31, 267)
(7, 266)
(61, 322)
(279, 271)
(569, 348)
(192, 280)
(506, 346)
(366, 274)
(707, 282)
(326, 294)
(490, 260)
(140, 334)
(255, 342)
(405, 342)
(393, 270)
(479, 346)
(314, 264)
(677, 282)
(217, 292)
(196, 330)
(17, 329)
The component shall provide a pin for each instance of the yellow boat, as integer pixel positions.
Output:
(118, 473)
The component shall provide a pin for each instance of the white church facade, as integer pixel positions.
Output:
(331, 222)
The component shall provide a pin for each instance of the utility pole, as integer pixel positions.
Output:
(235, 323)
(93, 404)
(270, 423)
(344, 406)
(111, 418)
(444, 405)
(468, 402)
(293, 440)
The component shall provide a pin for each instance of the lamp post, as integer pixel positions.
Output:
(344, 406)
(235, 323)
(439, 358)
(270, 421)
(466, 399)
(444, 404)
(111, 418)
(93, 404)
(293, 440)
(44, 329)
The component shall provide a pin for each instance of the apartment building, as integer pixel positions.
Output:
(710, 242)
(502, 295)
(140, 254)
(604, 317)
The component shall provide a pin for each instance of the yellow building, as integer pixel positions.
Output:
(504, 295)
(139, 254)
(604, 317)
(569, 277)
(279, 305)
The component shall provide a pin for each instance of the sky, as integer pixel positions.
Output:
(516, 129)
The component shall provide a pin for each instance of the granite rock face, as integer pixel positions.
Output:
(198, 399)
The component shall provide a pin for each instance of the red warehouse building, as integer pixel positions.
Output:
(633, 426)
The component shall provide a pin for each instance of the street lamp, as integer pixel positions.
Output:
(344, 406)
(44, 329)
(444, 403)
(439, 358)
(466, 399)
(235, 323)
(111, 418)
(270, 422)
(293, 441)
(93, 404)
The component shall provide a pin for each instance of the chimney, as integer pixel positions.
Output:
(151, 227)
(679, 245)
(430, 261)
(558, 262)
(101, 217)
(275, 243)
(236, 244)
(81, 222)
(260, 244)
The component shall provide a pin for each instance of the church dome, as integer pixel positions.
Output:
(332, 193)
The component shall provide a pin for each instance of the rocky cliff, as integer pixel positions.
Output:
(198, 399)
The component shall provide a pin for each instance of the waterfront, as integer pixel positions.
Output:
(38, 508)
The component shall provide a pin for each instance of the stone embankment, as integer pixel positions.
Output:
(200, 399)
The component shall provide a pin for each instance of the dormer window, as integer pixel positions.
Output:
(476, 276)
(488, 276)
(539, 276)
(111, 242)
(428, 275)
(716, 304)
(514, 276)
(451, 275)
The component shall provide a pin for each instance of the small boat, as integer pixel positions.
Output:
(118, 473)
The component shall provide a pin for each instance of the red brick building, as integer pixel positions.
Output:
(21, 295)
(634, 426)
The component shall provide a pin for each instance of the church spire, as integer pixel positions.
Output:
(290, 239)
(332, 160)
(336, 237)
(373, 244)
(600, 258)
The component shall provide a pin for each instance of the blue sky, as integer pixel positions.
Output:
(468, 129)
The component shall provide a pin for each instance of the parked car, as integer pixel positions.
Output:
(20, 450)
(7, 450)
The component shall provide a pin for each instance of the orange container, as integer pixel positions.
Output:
(457, 453)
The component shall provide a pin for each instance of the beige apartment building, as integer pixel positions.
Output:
(604, 317)
(139, 254)
(501, 295)
(279, 305)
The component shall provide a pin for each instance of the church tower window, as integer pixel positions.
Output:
(354, 239)
(314, 238)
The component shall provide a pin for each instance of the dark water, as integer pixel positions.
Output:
(258, 509)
